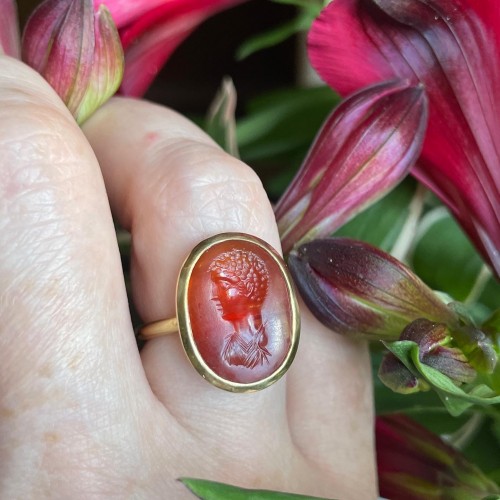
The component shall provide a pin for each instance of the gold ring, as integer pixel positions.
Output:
(237, 313)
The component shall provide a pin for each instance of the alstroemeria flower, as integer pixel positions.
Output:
(459, 353)
(415, 464)
(9, 29)
(356, 289)
(365, 147)
(457, 362)
(453, 48)
(150, 30)
(77, 51)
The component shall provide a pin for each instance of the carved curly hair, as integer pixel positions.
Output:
(245, 270)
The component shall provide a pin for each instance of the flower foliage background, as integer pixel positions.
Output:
(406, 170)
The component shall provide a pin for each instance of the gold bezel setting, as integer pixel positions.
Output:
(184, 322)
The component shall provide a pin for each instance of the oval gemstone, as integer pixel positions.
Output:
(241, 311)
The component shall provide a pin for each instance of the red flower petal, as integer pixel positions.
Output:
(452, 46)
(414, 463)
(151, 31)
(364, 149)
(58, 42)
(354, 288)
(9, 29)
(125, 11)
(77, 51)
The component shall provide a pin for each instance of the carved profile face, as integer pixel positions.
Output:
(240, 284)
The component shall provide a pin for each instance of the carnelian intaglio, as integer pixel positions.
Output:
(241, 311)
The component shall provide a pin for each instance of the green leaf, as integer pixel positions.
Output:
(456, 399)
(382, 222)
(484, 449)
(495, 429)
(278, 130)
(273, 37)
(490, 296)
(446, 260)
(492, 323)
(308, 11)
(289, 111)
(210, 490)
(313, 5)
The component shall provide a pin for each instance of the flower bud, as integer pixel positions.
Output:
(398, 378)
(477, 347)
(413, 463)
(447, 359)
(366, 146)
(437, 349)
(77, 51)
(357, 289)
(9, 29)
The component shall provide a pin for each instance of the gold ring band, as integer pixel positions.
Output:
(159, 328)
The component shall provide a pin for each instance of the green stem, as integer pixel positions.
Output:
(479, 285)
(467, 432)
(404, 242)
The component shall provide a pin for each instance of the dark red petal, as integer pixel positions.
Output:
(451, 362)
(414, 463)
(394, 374)
(329, 304)
(406, 448)
(150, 35)
(427, 334)
(355, 288)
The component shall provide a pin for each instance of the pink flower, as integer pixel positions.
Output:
(364, 148)
(77, 51)
(453, 48)
(9, 29)
(151, 30)
(415, 464)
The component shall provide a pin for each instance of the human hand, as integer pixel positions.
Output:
(82, 413)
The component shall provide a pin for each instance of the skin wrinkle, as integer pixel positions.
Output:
(220, 419)
(48, 277)
(179, 142)
(187, 187)
(16, 97)
(177, 422)
(35, 203)
(202, 199)
(33, 142)
(47, 247)
(29, 188)
(92, 465)
(354, 393)
(96, 457)
(218, 210)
